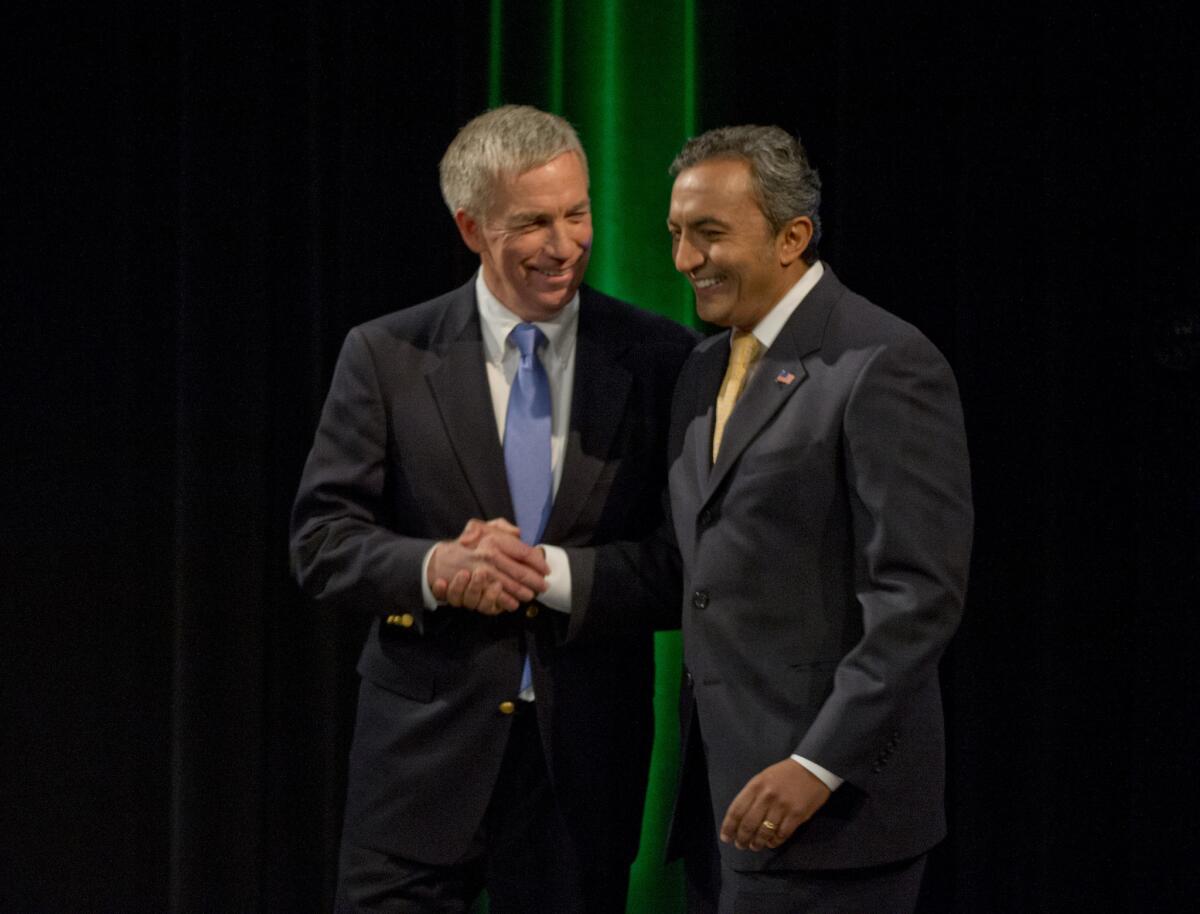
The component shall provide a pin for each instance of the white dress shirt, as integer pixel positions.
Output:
(501, 360)
(767, 329)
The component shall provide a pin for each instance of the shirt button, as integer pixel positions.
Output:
(700, 599)
(507, 707)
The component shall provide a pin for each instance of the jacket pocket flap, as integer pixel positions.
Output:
(410, 680)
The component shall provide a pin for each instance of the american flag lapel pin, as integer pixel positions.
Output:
(784, 378)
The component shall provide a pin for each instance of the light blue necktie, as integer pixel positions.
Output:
(527, 445)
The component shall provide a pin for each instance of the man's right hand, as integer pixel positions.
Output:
(487, 569)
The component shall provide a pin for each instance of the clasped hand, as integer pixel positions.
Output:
(487, 568)
(786, 795)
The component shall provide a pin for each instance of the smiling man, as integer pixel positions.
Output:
(486, 469)
(821, 500)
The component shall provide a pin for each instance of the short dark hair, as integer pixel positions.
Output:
(784, 181)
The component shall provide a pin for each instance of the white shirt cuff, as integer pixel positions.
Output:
(558, 582)
(824, 775)
(426, 593)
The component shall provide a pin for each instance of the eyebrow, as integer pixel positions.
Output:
(702, 223)
(521, 218)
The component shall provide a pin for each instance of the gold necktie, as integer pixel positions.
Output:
(744, 353)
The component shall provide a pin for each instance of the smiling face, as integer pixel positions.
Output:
(535, 241)
(722, 242)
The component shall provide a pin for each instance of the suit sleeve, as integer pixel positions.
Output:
(635, 584)
(625, 587)
(343, 546)
(908, 479)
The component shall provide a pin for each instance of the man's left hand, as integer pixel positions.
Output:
(785, 795)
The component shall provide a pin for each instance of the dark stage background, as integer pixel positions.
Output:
(198, 202)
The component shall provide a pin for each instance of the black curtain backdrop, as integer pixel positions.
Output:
(198, 202)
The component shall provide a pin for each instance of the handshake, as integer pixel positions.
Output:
(487, 568)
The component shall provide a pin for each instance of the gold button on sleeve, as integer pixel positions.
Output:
(531, 611)
(404, 620)
(507, 707)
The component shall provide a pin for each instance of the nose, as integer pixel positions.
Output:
(687, 257)
(561, 242)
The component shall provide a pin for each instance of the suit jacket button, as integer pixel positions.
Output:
(687, 677)
(700, 599)
(404, 620)
(705, 517)
(531, 611)
(507, 707)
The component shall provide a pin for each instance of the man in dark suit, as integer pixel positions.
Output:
(821, 501)
(486, 468)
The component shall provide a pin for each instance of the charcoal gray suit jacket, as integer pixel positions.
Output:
(825, 561)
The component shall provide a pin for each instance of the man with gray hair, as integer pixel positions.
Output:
(488, 469)
(822, 504)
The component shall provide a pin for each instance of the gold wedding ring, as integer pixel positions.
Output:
(768, 825)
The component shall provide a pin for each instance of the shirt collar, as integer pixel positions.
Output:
(767, 330)
(498, 323)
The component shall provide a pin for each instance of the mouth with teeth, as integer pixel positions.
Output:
(706, 283)
(553, 279)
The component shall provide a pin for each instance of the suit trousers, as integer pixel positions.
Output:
(522, 855)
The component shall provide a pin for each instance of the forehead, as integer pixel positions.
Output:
(714, 189)
(560, 182)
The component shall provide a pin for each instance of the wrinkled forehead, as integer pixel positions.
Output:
(559, 182)
(505, 178)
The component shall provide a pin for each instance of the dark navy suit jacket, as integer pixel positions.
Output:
(406, 452)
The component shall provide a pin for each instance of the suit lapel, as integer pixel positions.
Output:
(602, 383)
(762, 399)
(710, 371)
(779, 375)
(460, 388)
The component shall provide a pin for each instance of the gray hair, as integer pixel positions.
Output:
(496, 146)
(785, 183)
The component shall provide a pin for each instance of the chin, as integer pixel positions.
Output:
(547, 306)
(557, 300)
(711, 315)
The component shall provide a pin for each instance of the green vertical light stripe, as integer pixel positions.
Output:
(624, 73)
(630, 92)
(605, 138)
(688, 76)
(495, 54)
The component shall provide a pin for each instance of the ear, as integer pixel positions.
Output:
(793, 240)
(471, 230)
